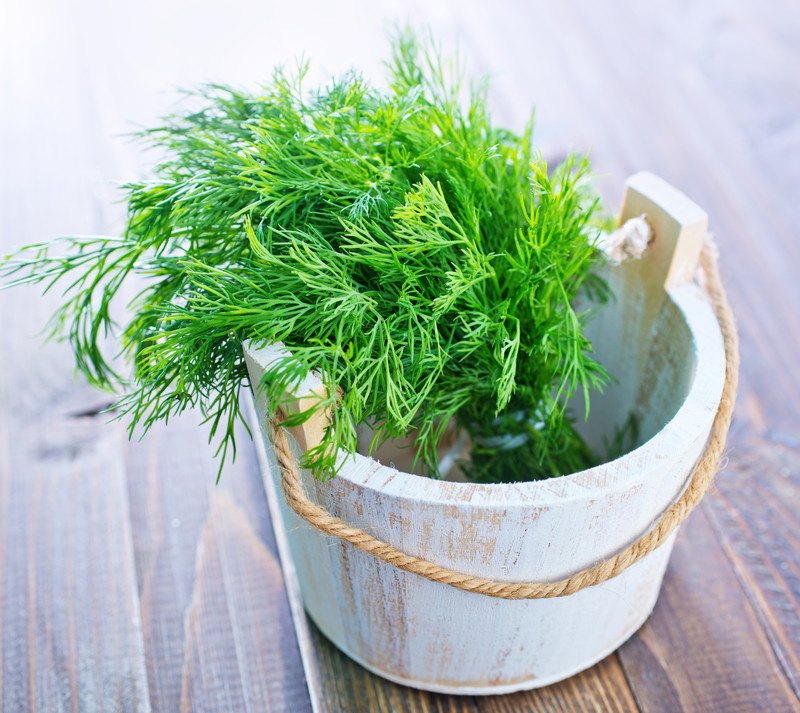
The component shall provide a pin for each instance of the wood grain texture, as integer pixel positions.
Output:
(674, 661)
(70, 627)
(128, 581)
(217, 629)
(754, 514)
(70, 637)
(706, 95)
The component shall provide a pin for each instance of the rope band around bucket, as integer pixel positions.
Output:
(701, 480)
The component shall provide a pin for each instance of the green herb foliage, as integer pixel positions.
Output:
(422, 260)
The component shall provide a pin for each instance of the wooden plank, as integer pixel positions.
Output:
(302, 625)
(730, 65)
(704, 648)
(217, 627)
(756, 514)
(70, 637)
(212, 619)
(70, 630)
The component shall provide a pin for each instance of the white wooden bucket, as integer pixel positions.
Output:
(663, 343)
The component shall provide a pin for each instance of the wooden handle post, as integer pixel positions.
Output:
(679, 227)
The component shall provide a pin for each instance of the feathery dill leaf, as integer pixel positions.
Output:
(422, 260)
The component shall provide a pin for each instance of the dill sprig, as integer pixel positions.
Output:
(423, 261)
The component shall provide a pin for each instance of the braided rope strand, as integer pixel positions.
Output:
(670, 519)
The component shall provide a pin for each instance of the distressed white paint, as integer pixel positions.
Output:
(666, 350)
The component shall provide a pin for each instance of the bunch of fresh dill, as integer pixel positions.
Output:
(423, 261)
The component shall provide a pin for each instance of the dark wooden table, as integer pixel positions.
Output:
(130, 582)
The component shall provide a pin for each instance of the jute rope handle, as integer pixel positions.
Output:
(661, 529)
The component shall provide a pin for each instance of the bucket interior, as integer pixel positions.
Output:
(652, 368)
(652, 361)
